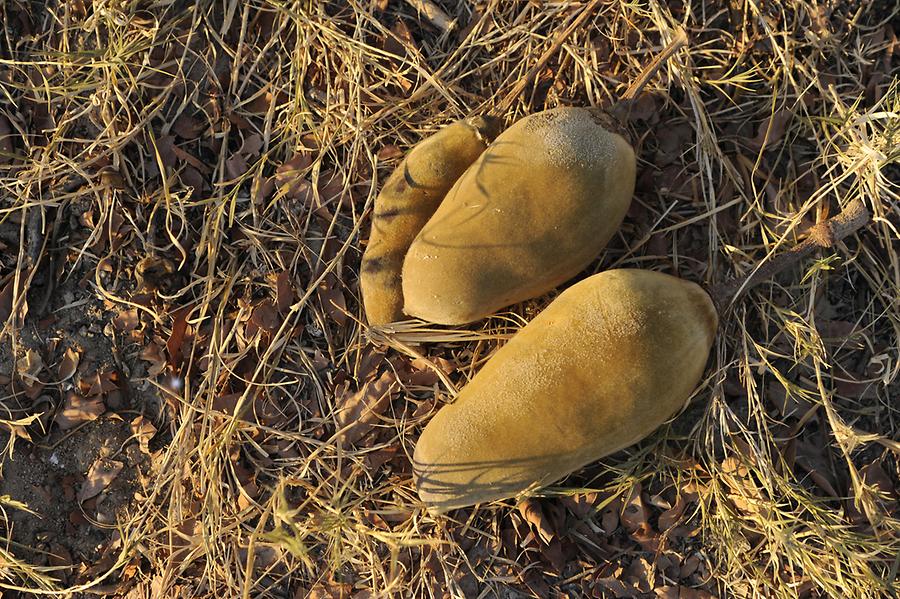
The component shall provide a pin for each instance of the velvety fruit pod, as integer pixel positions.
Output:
(533, 211)
(407, 200)
(606, 363)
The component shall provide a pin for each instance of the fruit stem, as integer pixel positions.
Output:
(825, 235)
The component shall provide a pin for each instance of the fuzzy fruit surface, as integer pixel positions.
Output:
(605, 364)
(406, 202)
(532, 212)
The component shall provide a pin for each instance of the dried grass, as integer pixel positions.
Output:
(772, 118)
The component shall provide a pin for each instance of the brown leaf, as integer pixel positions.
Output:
(609, 521)
(60, 557)
(581, 505)
(236, 166)
(166, 147)
(188, 127)
(359, 412)
(389, 152)
(771, 130)
(102, 382)
(533, 514)
(227, 403)
(252, 145)
(284, 292)
(618, 588)
(536, 583)
(666, 592)
(126, 320)
(649, 540)
(814, 461)
(788, 403)
(689, 566)
(634, 516)
(153, 353)
(332, 299)
(144, 431)
(689, 593)
(376, 459)
(191, 159)
(6, 301)
(330, 185)
(192, 178)
(671, 516)
(152, 272)
(265, 316)
(261, 189)
(69, 364)
(29, 366)
(101, 474)
(641, 573)
(173, 345)
(77, 409)
(290, 176)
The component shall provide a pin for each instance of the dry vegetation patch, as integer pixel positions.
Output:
(185, 193)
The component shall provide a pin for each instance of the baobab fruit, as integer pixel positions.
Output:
(607, 362)
(407, 200)
(532, 212)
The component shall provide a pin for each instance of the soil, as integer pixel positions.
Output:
(43, 480)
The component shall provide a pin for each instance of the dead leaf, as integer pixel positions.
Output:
(126, 320)
(332, 300)
(251, 145)
(672, 516)
(77, 409)
(359, 412)
(192, 178)
(771, 131)
(290, 176)
(227, 403)
(635, 515)
(666, 592)
(236, 166)
(618, 588)
(144, 431)
(581, 505)
(28, 367)
(536, 583)
(814, 461)
(265, 316)
(6, 301)
(101, 383)
(284, 292)
(609, 521)
(689, 567)
(153, 353)
(376, 459)
(60, 558)
(788, 402)
(533, 514)
(173, 345)
(641, 573)
(69, 364)
(187, 127)
(100, 475)
(389, 152)
(689, 593)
